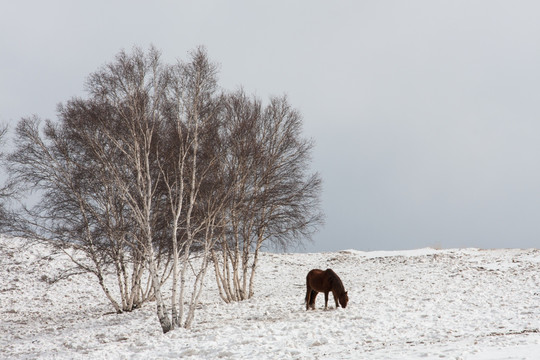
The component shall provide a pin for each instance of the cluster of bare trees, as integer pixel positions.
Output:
(157, 175)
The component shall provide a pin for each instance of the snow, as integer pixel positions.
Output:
(427, 303)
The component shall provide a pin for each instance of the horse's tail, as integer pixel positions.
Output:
(312, 297)
(309, 294)
(308, 288)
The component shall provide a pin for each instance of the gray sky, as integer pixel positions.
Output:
(426, 114)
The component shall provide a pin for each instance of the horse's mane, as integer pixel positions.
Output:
(334, 278)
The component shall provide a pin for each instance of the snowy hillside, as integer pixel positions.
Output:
(470, 304)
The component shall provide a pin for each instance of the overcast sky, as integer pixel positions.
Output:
(425, 114)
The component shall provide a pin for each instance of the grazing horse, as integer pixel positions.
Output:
(325, 281)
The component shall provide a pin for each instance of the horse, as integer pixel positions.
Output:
(325, 281)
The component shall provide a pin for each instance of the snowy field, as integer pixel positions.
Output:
(455, 304)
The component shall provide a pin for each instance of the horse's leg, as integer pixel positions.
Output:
(313, 297)
(325, 300)
(335, 298)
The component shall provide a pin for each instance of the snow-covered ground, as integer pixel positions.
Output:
(470, 304)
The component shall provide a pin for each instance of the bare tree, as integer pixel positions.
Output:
(5, 192)
(97, 159)
(193, 127)
(77, 210)
(134, 88)
(275, 199)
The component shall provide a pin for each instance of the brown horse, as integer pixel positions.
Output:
(325, 281)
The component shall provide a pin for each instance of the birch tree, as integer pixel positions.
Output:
(134, 88)
(4, 188)
(75, 211)
(276, 198)
(190, 177)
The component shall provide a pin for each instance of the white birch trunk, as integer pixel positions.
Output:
(161, 309)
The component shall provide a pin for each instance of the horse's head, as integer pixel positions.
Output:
(344, 299)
